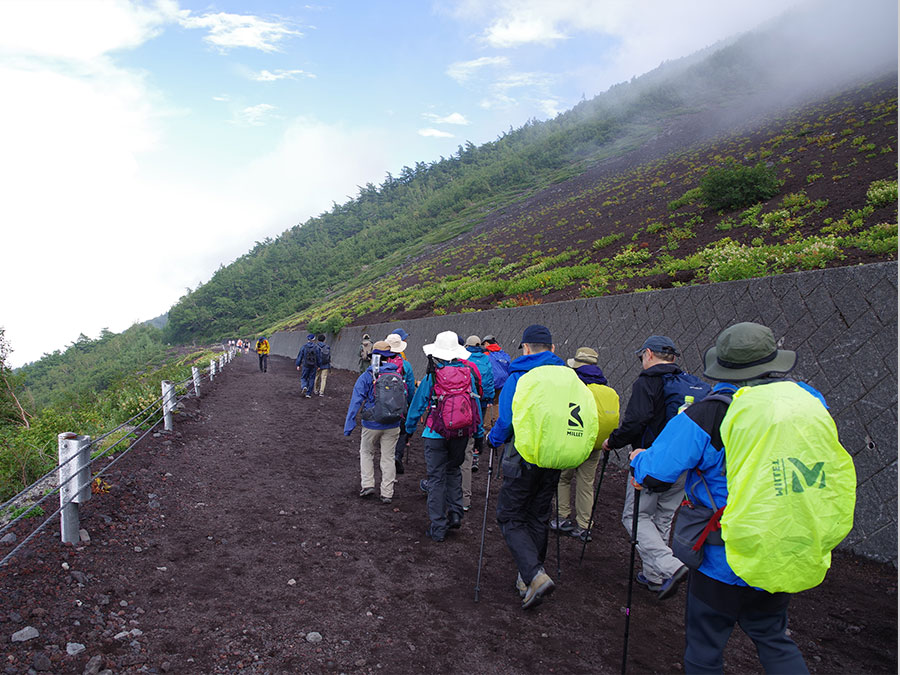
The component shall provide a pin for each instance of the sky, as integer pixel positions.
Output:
(144, 144)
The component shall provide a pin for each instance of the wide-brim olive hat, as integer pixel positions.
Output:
(746, 351)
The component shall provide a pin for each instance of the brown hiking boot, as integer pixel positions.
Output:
(540, 587)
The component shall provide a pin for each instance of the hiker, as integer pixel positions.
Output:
(645, 416)
(365, 352)
(382, 412)
(307, 363)
(323, 366)
(398, 347)
(449, 395)
(262, 348)
(729, 430)
(523, 507)
(500, 368)
(482, 361)
(607, 400)
(403, 336)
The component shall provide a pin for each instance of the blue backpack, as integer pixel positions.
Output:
(678, 385)
(499, 367)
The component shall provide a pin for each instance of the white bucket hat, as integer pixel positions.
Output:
(396, 342)
(446, 346)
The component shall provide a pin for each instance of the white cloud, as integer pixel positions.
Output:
(550, 106)
(434, 133)
(464, 70)
(269, 76)
(518, 29)
(227, 31)
(255, 115)
(452, 118)
(222, 99)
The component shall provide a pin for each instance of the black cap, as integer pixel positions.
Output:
(659, 344)
(536, 334)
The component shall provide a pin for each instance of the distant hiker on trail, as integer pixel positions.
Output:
(553, 419)
(324, 365)
(262, 348)
(398, 346)
(500, 367)
(365, 352)
(307, 363)
(482, 361)
(648, 410)
(585, 365)
(380, 394)
(779, 519)
(449, 395)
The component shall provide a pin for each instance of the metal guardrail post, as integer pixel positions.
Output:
(168, 396)
(195, 372)
(74, 481)
(212, 369)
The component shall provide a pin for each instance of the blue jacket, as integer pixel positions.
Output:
(688, 441)
(364, 397)
(483, 362)
(422, 401)
(299, 362)
(502, 431)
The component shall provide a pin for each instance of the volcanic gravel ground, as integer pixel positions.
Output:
(232, 544)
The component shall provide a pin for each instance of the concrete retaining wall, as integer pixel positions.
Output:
(841, 321)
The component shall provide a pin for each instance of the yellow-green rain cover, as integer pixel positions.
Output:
(554, 418)
(791, 487)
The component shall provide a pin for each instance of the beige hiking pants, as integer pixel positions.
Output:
(321, 378)
(584, 490)
(383, 442)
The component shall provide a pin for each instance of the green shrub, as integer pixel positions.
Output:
(879, 239)
(688, 197)
(734, 186)
(603, 242)
(630, 257)
(882, 193)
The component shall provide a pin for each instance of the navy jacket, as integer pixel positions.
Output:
(645, 415)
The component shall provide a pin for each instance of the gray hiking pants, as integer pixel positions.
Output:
(654, 524)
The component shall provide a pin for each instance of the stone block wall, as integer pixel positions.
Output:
(841, 321)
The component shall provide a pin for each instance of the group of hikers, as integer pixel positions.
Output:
(744, 539)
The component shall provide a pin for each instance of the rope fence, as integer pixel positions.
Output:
(79, 455)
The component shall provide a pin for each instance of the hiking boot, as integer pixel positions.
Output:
(321, 393)
(580, 533)
(466, 508)
(670, 585)
(308, 396)
(565, 526)
(540, 587)
(423, 485)
(303, 391)
(521, 586)
(644, 581)
(474, 463)
(385, 500)
(455, 520)
(436, 539)
(367, 492)
(398, 467)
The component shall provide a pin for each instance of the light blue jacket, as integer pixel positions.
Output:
(422, 402)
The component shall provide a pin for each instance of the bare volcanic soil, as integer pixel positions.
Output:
(238, 544)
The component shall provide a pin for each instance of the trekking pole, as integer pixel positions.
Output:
(487, 495)
(594, 507)
(634, 529)
(558, 563)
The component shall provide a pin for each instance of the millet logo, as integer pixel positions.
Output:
(802, 476)
(575, 421)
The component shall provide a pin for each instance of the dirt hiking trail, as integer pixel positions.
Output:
(238, 544)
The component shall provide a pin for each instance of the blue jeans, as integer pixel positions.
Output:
(712, 610)
(443, 457)
(308, 378)
(523, 511)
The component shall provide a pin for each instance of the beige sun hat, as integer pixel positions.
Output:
(396, 342)
(473, 341)
(446, 346)
(585, 356)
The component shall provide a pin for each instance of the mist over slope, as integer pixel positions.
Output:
(352, 263)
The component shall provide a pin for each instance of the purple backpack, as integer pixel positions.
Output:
(454, 409)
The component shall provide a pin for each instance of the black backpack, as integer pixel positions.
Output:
(324, 354)
(390, 399)
(311, 358)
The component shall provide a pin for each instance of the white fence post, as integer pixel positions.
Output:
(212, 369)
(196, 374)
(221, 362)
(168, 396)
(74, 481)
